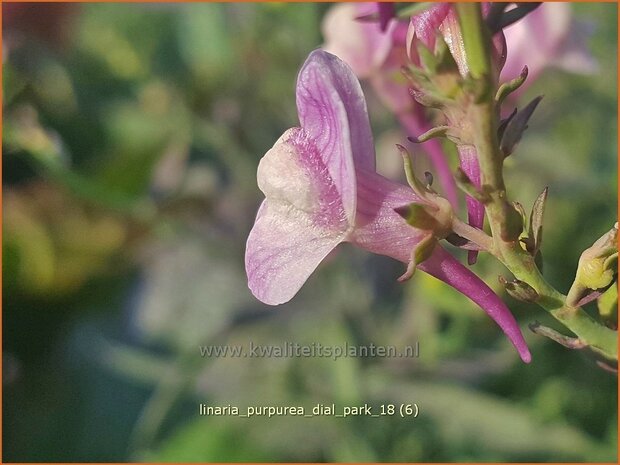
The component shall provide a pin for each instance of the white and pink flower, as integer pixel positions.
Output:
(321, 189)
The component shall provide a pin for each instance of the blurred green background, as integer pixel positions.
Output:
(132, 133)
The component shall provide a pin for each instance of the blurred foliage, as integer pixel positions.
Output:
(131, 138)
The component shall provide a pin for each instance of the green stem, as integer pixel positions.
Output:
(475, 235)
(472, 26)
(506, 246)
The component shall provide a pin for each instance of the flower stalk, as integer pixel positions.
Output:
(500, 212)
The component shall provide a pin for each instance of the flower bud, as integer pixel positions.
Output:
(598, 267)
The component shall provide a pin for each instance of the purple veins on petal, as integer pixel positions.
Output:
(282, 254)
(301, 220)
(332, 112)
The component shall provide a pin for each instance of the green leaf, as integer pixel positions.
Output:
(424, 249)
(427, 58)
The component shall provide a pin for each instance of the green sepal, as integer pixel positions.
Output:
(519, 207)
(412, 180)
(418, 216)
(509, 87)
(536, 220)
(520, 290)
(447, 77)
(533, 239)
(445, 61)
(438, 131)
(424, 249)
(429, 99)
(516, 126)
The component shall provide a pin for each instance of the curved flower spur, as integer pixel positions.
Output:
(321, 189)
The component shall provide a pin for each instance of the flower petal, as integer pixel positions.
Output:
(332, 111)
(446, 268)
(301, 220)
(293, 173)
(424, 27)
(282, 251)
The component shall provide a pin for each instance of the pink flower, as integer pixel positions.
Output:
(321, 189)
